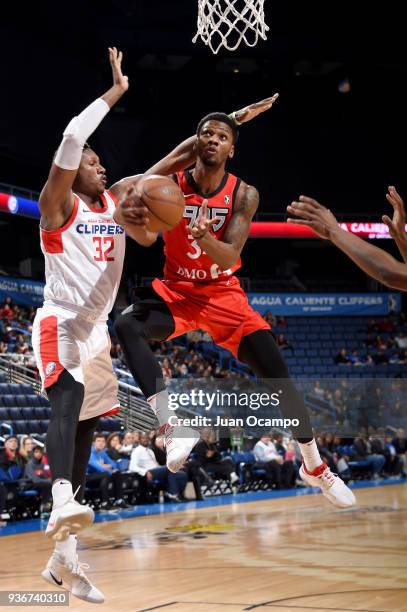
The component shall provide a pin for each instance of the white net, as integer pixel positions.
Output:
(226, 23)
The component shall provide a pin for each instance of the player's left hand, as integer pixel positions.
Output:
(250, 112)
(397, 225)
(131, 209)
(115, 58)
(314, 215)
(203, 223)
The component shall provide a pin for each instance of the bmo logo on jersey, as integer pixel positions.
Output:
(201, 274)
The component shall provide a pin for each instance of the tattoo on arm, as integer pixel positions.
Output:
(238, 227)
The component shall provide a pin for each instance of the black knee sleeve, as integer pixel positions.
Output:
(147, 319)
(66, 398)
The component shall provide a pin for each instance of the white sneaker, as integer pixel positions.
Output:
(71, 577)
(333, 487)
(179, 442)
(70, 517)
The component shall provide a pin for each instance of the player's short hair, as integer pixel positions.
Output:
(223, 118)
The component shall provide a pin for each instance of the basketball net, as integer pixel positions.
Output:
(225, 23)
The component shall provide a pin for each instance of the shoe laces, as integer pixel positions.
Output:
(72, 499)
(77, 569)
(328, 477)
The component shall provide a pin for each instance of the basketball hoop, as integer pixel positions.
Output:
(225, 23)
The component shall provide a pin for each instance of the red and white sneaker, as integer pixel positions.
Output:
(333, 487)
(69, 518)
(71, 577)
(179, 442)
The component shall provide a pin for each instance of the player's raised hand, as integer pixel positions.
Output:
(396, 225)
(115, 58)
(314, 215)
(250, 112)
(203, 223)
(131, 209)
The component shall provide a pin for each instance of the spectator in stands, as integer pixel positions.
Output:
(9, 455)
(287, 451)
(370, 341)
(211, 460)
(386, 325)
(394, 464)
(381, 358)
(102, 470)
(401, 340)
(3, 348)
(166, 369)
(354, 358)
(144, 463)
(36, 472)
(400, 445)
(369, 360)
(113, 446)
(270, 319)
(402, 357)
(318, 390)
(381, 344)
(129, 442)
(278, 471)
(283, 343)
(363, 453)
(6, 312)
(342, 357)
(26, 448)
(282, 322)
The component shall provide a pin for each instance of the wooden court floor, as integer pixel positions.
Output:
(295, 554)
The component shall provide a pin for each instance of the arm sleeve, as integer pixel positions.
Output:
(94, 463)
(76, 133)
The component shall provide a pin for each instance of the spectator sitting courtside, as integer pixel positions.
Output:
(144, 463)
(102, 470)
(36, 471)
(342, 357)
(278, 471)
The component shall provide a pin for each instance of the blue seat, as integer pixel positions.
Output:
(15, 413)
(4, 476)
(4, 415)
(20, 400)
(8, 400)
(28, 413)
(43, 400)
(40, 412)
(44, 426)
(20, 427)
(15, 388)
(26, 389)
(34, 427)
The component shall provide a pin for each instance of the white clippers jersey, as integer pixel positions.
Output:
(84, 259)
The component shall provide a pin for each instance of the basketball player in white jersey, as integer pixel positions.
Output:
(83, 243)
(83, 247)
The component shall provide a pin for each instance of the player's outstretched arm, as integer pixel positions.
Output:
(56, 199)
(374, 261)
(226, 252)
(397, 225)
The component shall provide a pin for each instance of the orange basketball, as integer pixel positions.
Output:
(164, 200)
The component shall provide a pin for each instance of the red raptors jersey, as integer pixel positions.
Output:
(184, 258)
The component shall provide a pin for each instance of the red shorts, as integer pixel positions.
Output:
(220, 308)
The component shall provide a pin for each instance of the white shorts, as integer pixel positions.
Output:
(63, 340)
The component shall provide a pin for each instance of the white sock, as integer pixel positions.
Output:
(159, 405)
(67, 548)
(61, 492)
(310, 454)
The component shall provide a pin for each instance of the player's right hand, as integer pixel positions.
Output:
(115, 58)
(397, 225)
(203, 223)
(131, 209)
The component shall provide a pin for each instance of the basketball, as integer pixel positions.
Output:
(164, 200)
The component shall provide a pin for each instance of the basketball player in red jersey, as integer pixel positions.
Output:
(378, 264)
(199, 290)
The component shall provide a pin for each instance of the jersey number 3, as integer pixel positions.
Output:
(104, 246)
